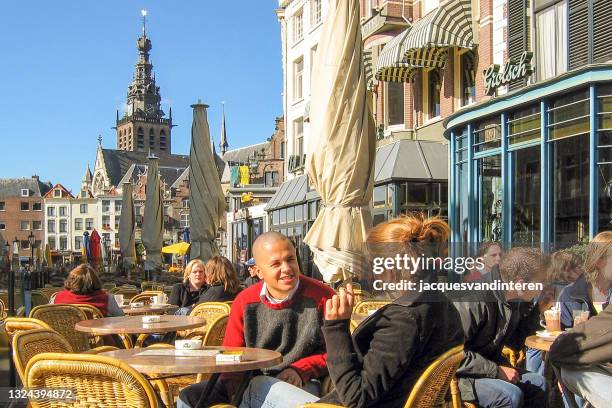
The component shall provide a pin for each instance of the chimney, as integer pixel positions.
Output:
(35, 177)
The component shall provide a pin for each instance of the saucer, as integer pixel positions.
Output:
(546, 335)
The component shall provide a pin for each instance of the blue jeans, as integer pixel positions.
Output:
(534, 362)
(494, 393)
(592, 384)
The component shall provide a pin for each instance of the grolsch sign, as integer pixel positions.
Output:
(495, 76)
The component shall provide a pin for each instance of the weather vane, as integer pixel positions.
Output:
(144, 21)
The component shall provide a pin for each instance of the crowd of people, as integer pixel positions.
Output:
(276, 307)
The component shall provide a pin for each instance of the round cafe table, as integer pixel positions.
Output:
(158, 365)
(125, 325)
(538, 343)
(149, 309)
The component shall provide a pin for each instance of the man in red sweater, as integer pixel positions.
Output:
(283, 312)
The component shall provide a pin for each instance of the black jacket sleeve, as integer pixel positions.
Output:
(474, 364)
(175, 295)
(362, 384)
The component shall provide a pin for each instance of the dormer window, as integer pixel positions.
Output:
(57, 193)
(25, 192)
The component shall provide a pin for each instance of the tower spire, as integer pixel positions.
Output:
(223, 145)
(144, 22)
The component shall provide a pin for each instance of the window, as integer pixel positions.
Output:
(313, 53)
(185, 220)
(63, 243)
(315, 12)
(51, 241)
(78, 224)
(299, 137)
(57, 193)
(282, 152)
(24, 225)
(524, 125)
(490, 198)
(380, 196)
(604, 156)
(51, 211)
(51, 225)
(89, 224)
(271, 178)
(25, 192)
(117, 222)
(518, 33)
(551, 41)
(78, 242)
(2, 225)
(118, 206)
(25, 244)
(298, 81)
(526, 196)
(166, 209)
(83, 208)
(2, 206)
(487, 135)
(185, 203)
(435, 85)
(106, 221)
(37, 206)
(105, 205)
(63, 211)
(63, 226)
(25, 206)
(395, 103)
(468, 82)
(36, 225)
(298, 26)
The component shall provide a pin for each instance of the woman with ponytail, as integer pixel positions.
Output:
(380, 363)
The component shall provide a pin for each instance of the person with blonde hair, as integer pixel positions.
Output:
(186, 293)
(83, 286)
(593, 286)
(221, 279)
(380, 363)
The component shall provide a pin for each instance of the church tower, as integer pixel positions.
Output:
(144, 127)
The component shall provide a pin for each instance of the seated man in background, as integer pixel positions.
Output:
(492, 320)
(584, 355)
(252, 269)
(283, 312)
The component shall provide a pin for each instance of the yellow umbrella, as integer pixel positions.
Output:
(48, 256)
(180, 248)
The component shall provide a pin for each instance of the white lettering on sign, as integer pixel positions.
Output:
(495, 77)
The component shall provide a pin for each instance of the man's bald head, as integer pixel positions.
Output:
(266, 239)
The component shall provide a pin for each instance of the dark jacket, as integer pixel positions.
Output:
(216, 293)
(250, 281)
(182, 297)
(586, 345)
(575, 296)
(388, 352)
(490, 323)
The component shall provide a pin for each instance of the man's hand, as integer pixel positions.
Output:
(290, 376)
(547, 299)
(340, 306)
(508, 374)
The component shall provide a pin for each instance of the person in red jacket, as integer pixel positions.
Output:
(283, 312)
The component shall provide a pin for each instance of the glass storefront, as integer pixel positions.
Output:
(534, 166)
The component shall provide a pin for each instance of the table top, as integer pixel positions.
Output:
(132, 311)
(134, 324)
(538, 343)
(252, 359)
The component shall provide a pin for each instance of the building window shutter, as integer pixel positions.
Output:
(602, 31)
(518, 34)
(579, 38)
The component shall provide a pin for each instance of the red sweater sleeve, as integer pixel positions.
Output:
(234, 332)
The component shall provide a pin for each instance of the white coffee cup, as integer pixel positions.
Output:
(119, 299)
(160, 299)
(151, 319)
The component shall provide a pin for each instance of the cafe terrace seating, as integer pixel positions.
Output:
(12, 325)
(432, 387)
(96, 380)
(62, 319)
(145, 297)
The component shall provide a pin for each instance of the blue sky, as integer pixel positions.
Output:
(65, 67)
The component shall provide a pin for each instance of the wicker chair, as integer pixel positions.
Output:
(52, 298)
(216, 331)
(145, 297)
(3, 312)
(13, 325)
(39, 298)
(366, 306)
(109, 286)
(96, 380)
(209, 311)
(92, 312)
(361, 295)
(127, 292)
(431, 388)
(514, 358)
(62, 319)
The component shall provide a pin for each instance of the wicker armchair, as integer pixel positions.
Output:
(127, 292)
(145, 297)
(3, 312)
(361, 295)
(209, 311)
(216, 331)
(432, 386)
(13, 325)
(366, 306)
(92, 312)
(97, 381)
(62, 319)
(39, 298)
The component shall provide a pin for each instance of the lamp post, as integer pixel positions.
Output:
(106, 241)
(31, 241)
(11, 304)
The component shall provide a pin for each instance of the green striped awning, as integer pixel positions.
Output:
(390, 66)
(367, 68)
(428, 40)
